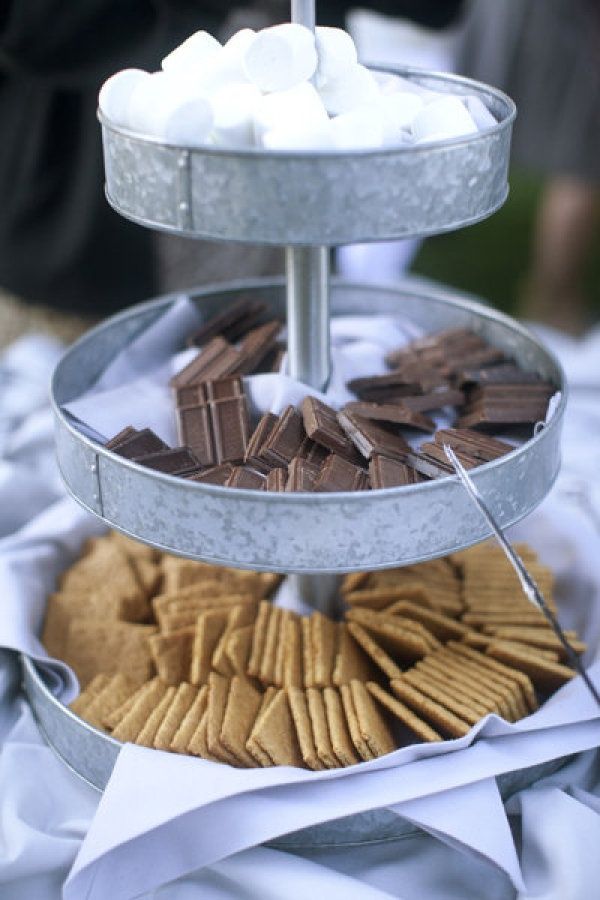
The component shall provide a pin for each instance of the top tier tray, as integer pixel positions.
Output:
(315, 199)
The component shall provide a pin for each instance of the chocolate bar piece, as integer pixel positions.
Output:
(286, 439)
(139, 444)
(322, 426)
(370, 438)
(302, 475)
(338, 474)
(505, 373)
(272, 361)
(397, 413)
(483, 357)
(385, 473)
(447, 337)
(231, 429)
(474, 443)
(128, 432)
(255, 347)
(245, 477)
(276, 480)
(436, 452)
(257, 440)
(489, 416)
(314, 453)
(227, 323)
(190, 395)
(223, 388)
(214, 475)
(428, 466)
(179, 461)
(217, 360)
(370, 388)
(445, 396)
(195, 431)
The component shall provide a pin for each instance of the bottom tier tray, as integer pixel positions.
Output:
(91, 755)
(305, 533)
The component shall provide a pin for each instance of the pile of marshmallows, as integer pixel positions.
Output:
(283, 88)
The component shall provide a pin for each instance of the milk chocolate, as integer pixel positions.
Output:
(370, 438)
(436, 452)
(473, 443)
(302, 475)
(385, 473)
(322, 426)
(179, 461)
(285, 440)
(245, 477)
(190, 395)
(231, 323)
(231, 429)
(128, 432)
(276, 480)
(445, 396)
(214, 475)
(139, 444)
(397, 413)
(195, 431)
(257, 440)
(208, 364)
(338, 474)
(223, 388)
(255, 347)
(505, 373)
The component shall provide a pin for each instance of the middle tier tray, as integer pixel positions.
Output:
(295, 532)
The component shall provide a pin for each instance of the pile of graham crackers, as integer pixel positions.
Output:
(195, 658)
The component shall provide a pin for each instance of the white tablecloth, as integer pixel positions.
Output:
(45, 811)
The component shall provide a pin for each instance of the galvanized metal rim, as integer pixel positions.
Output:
(312, 499)
(405, 71)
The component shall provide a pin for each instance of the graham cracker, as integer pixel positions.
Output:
(198, 745)
(210, 626)
(363, 749)
(351, 661)
(441, 626)
(218, 692)
(382, 597)
(490, 680)
(341, 742)
(243, 705)
(258, 638)
(293, 670)
(111, 719)
(93, 646)
(275, 734)
(237, 648)
(115, 692)
(429, 709)
(371, 725)
(267, 665)
(406, 716)
(354, 581)
(320, 729)
(543, 638)
(252, 746)
(374, 651)
(308, 656)
(85, 699)
(498, 667)
(190, 722)
(143, 706)
(238, 616)
(133, 548)
(429, 687)
(324, 635)
(458, 692)
(178, 708)
(545, 673)
(303, 725)
(461, 680)
(281, 649)
(400, 638)
(172, 655)
(148, 733)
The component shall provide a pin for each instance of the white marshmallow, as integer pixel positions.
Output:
(300, 105)
(233, 108)
(480, 114)
(356, 87)
(226, 66)
(158, 98)
(336, 54)
(189, 124)
(193, 53)
(400, 109)
(296, 136)
(363, 128)
(116, 92)
(444, 118)
(281, 57)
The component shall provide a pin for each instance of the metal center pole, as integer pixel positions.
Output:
(309, 361)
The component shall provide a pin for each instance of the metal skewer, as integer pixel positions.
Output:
(528, 584)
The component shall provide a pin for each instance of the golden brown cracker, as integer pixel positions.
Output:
(209, 628)
(372, 726)
(339, 733)
(430, 687)
(252, 747)
(81, 703)
(308, 658)
(324, 637)
(406, 716)
(441, 626)
(429, 710)
(374, 651)
(198, 745)
(93, 646)
(190, 722)
(115, 692)
(275, 734)
(523, 680)
(546, 674)
(303, 725)
(243, 705)
(218, 691)
(238, 647)
(320, 728)
(400, 638)
(180, 705)
(351, 661)
(172, 655)
(267, 664)
(488, 679)
(148, 733)
(258, 638)
(462, 682)
(144, 704)
(238, 616)
(354, 581)
(381, 598)
(359, 742)
(293, 669)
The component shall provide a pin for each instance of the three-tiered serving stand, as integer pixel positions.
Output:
(307, 202)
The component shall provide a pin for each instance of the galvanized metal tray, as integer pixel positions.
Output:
(308, 199)
(92, 754)
(304, 533)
